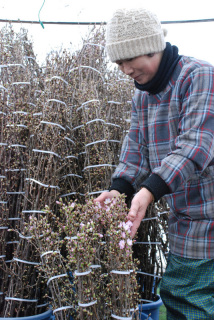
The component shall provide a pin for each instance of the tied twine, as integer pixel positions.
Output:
(39, 15)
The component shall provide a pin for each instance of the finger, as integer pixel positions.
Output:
(107, 195)
(133, 212)
(135, 227)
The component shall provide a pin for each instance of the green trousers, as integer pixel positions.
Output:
(187, 289)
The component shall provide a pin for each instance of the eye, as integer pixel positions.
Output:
(120, 62)
(150, 55)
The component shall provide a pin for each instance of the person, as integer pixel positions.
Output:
(169, 152)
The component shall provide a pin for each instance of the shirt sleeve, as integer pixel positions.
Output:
(194, 144)
(134, 158)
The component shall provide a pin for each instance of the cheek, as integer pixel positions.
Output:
(154, 69)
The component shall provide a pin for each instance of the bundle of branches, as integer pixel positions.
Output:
(99, 257)
(18, 87)
(45, 231)
(99, 105)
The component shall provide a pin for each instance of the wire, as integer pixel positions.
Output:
(188, 21)
(51, 22)
(95, 23)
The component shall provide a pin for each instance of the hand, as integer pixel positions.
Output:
(138, 208)
(107, 195)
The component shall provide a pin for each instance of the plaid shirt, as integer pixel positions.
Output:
(172, 136)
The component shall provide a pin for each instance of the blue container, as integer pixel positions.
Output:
(43, 316)
(71, 318)
(152, 308)
(144, 316)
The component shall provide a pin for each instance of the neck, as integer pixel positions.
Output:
(168, 63)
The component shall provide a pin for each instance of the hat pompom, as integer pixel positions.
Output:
(165, 32)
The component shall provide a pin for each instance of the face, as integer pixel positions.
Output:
(142, 68)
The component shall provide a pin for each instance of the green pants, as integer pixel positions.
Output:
(187, 289)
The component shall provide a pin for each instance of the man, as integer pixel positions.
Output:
(169, 151)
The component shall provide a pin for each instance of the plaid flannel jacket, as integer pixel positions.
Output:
(172, 135)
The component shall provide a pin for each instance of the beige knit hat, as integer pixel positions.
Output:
(132, 33)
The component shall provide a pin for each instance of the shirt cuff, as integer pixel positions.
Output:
(156, 185)
(123, 186)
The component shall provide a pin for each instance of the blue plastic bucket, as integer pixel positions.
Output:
(43, 316)
(152, 308)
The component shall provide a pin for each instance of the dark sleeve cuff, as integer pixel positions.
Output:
(123, 186)
(156, 185)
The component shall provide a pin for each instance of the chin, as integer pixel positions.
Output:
(141, 82)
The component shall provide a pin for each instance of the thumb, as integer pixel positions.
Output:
(102, 197)
(133, 211)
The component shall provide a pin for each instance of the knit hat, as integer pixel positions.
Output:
(132, 33)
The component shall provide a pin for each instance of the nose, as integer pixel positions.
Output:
(127, 68)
